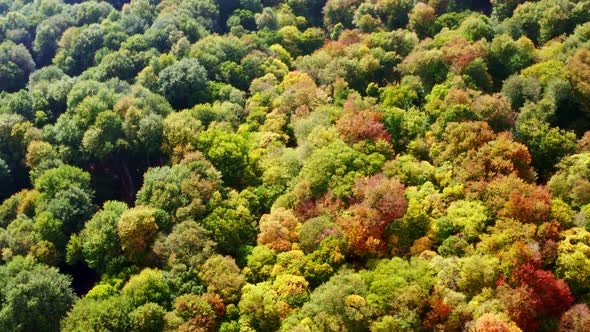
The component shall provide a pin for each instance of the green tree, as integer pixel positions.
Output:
(149, 286)
(148, 318)
(547, 145)
(16, 64)
(101, 246)
(421, 19)
(572, 180)
(228, 152)
(187, 244)
(259, 308)
(232, 223)
(338, 304)
(507, 56)
(222, 276)
(184, 83)
(34, 297)
(111, 314)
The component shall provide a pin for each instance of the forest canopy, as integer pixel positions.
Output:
(295, 165)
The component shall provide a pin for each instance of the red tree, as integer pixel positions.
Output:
(532, 295)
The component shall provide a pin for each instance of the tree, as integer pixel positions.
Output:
(536, 292)
(222, 276)
(364, 125)
(47, 35)
(179, 131)
(187, 244)
(101, 245)
(267, 19)
(572, 259)
(105, 137)
(111, 314)
(148, 317)
(397, 285)
(137, 230)
(232, 223)
(333, 305)
(547, 145)
(116, 64)
(149, 286)
(572, 180)
(39, 154)
(468, 217)
(507, 56)
(459, 139)
(339, 11)
(421, 19)
(577, 318)
(16, 64)
(511, 197)
(33, 296)
(364, 228)
(193, 312)
(184, 83)
(162, 188)
(382, 193)
(477, 27)
(501, 156)
(519, 89)
(66, 194)
(78, 47)
(259, 307)
(491, 322)
(426, 64)
(278, 230)
(335, 166)
(228, 152)
(496, 110)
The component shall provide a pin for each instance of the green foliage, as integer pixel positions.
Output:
(33, 296)
(397, 285)
(572, 180)
(572, 260)
(110, 314)
(222, 276)
(187, 244)
(335, 167)
(184, 83)
(149, 286)
(327, 305)
(468, 217)
(100, 243)
(547, 144)
(229, 154)
(16, 64)
(148, 318)
(508, 56)
(232, 223)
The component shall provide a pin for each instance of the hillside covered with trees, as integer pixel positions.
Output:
(295, 165)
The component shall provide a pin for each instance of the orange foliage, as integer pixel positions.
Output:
(278, 230)
(491, 323)
(363, 228)
(511, 197)
(501, 156)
